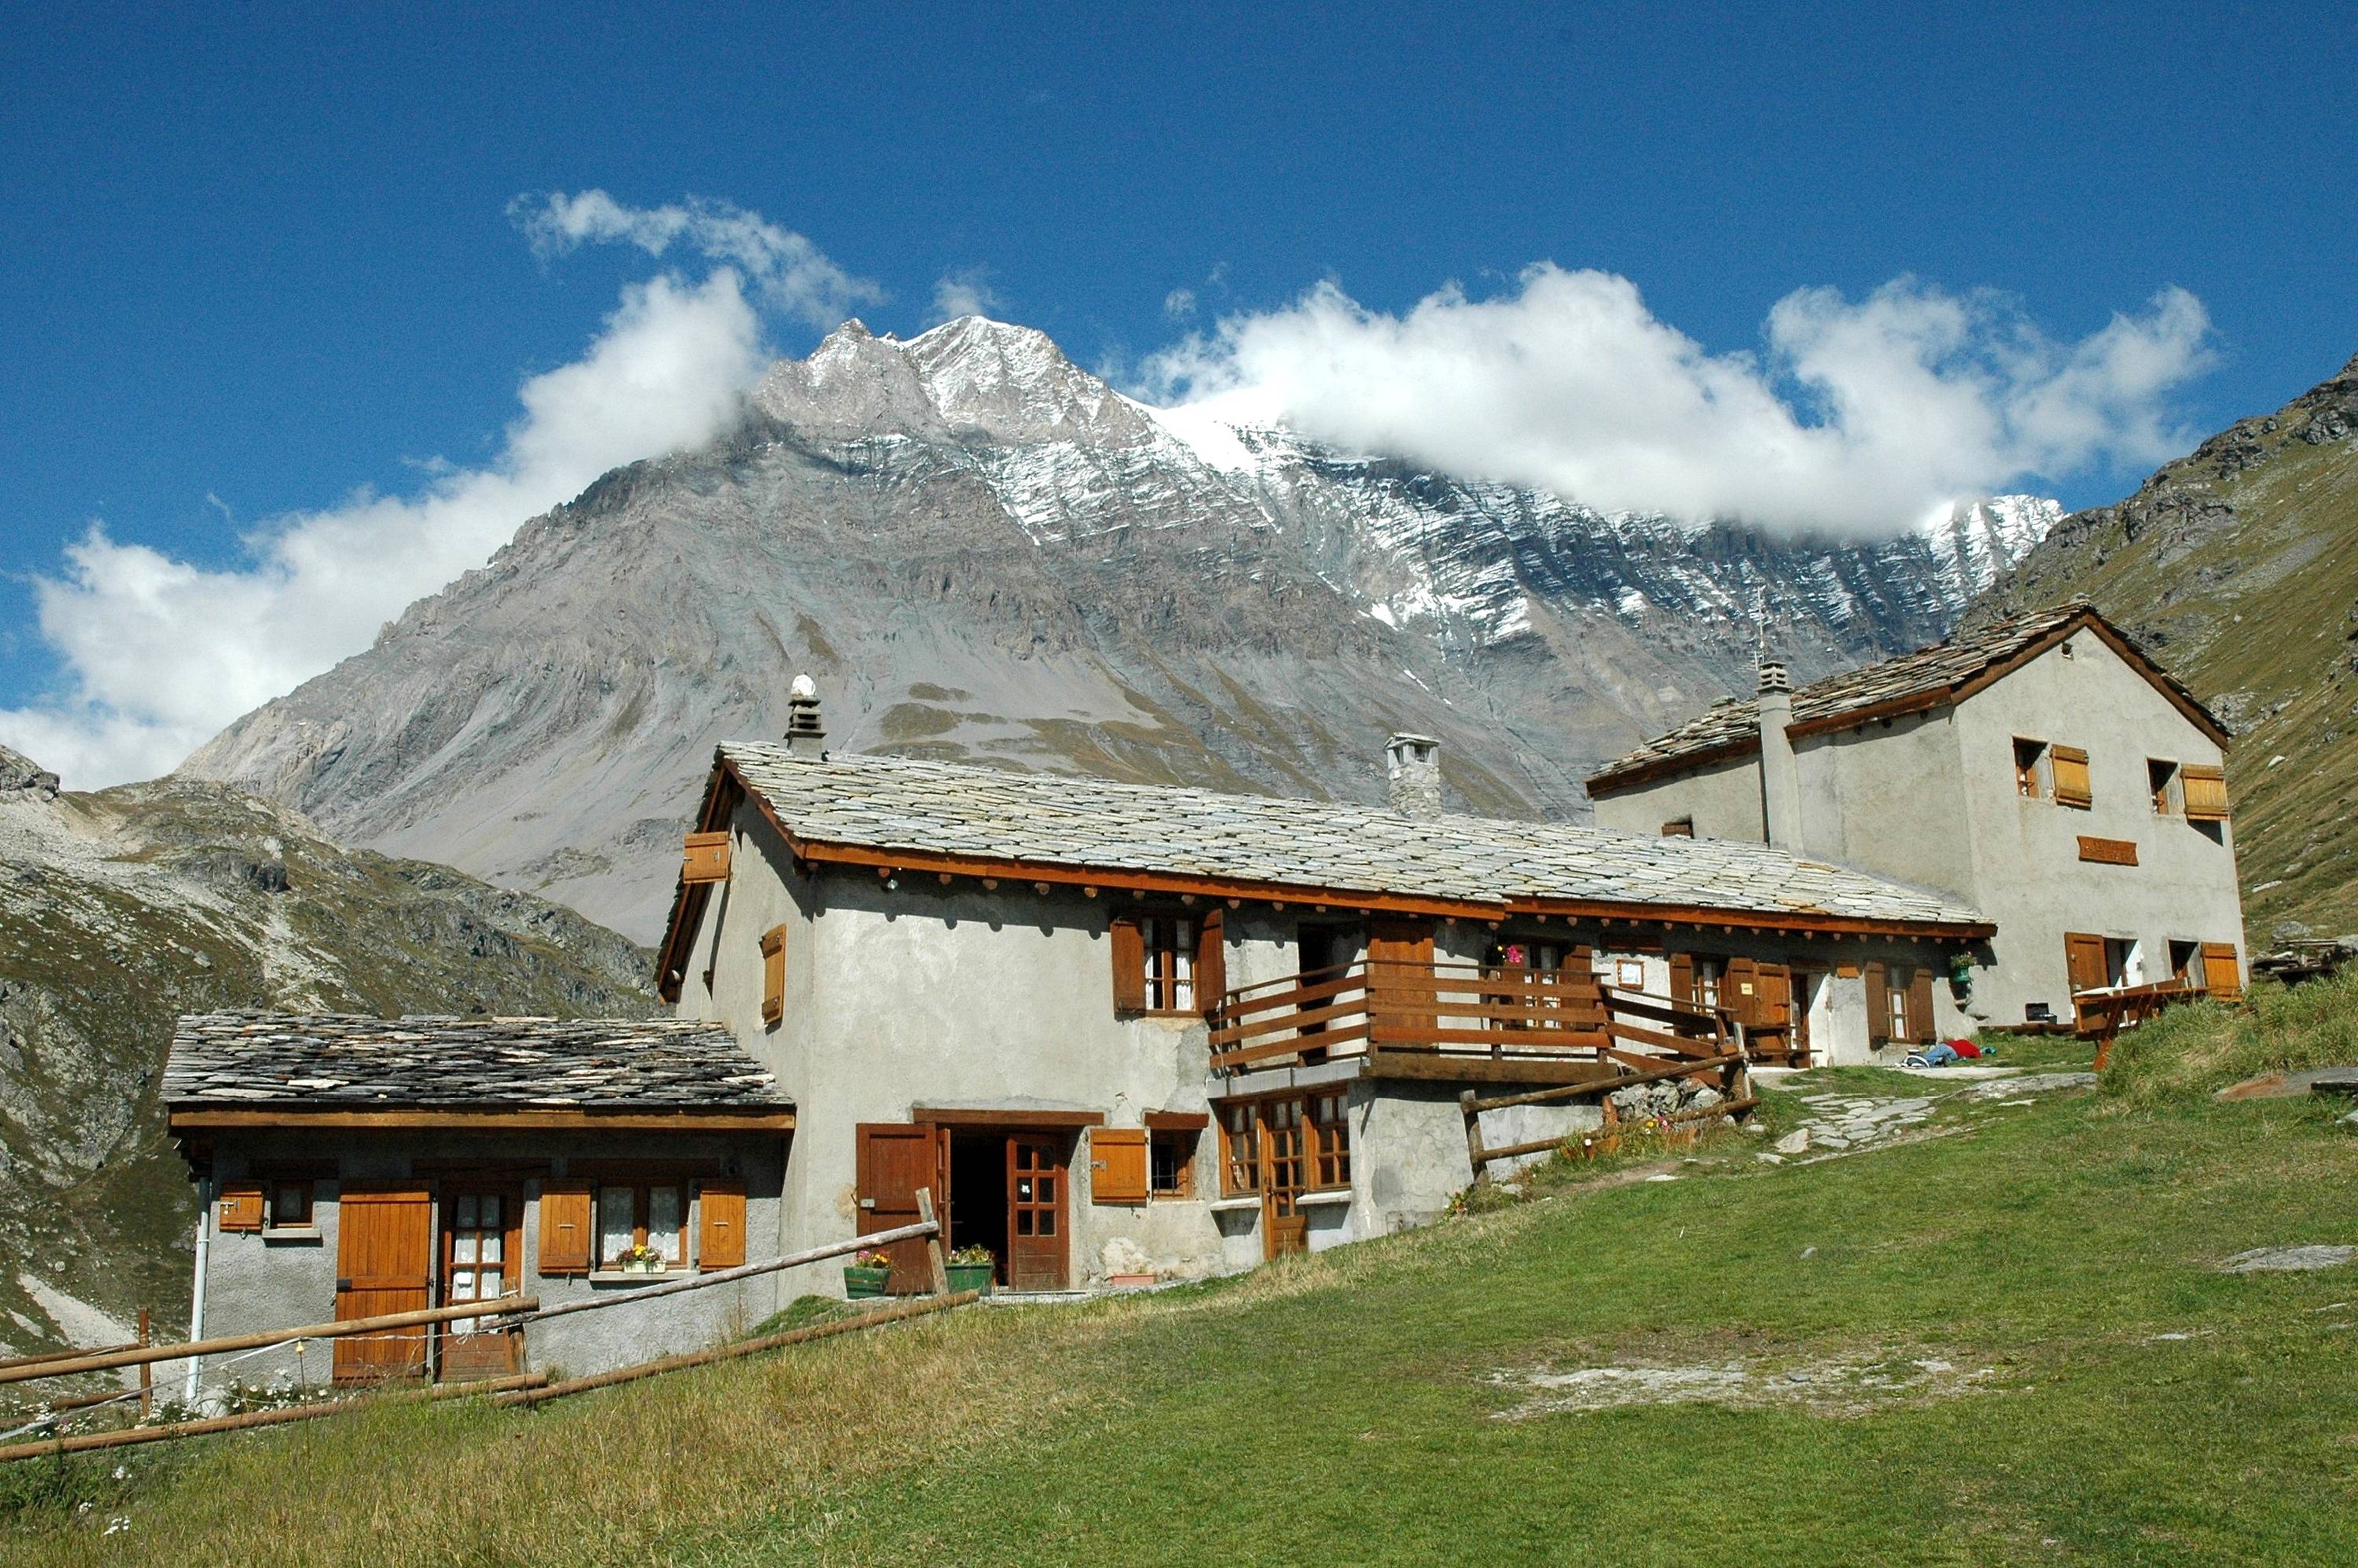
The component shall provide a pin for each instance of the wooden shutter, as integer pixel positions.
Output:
(2206, 793)
(1118, 1164)
(2084, 961)
(1400, 992)
(1128, 947)
(1920, 1005)
(564, 1226)
(706, 859)
(2222, 975)
(1681, 977)
(1878, 1006)
(2072, 778)
(773, 974)
(1211, 960)
(720, 1223)
(240, 1206)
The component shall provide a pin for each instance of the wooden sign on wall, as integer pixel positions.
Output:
(2108, 851)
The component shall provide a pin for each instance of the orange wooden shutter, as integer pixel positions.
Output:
(2206, 793)
(1118, 1164)
(564, 1226)
(239, 1207)
(1879, 1005)
(1211, 960)
(773, 974)
(1681, 977)
(1920, 1005)
(2222, 975)
(2072, 778)
(706, 859)
(1129, 945)
(720, 1223)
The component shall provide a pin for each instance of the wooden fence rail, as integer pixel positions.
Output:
(44, 1447)
(138, 1354)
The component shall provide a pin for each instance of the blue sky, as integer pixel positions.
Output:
(255, 257)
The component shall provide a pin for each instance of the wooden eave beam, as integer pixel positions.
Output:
(962, 1116)
(1792, 921)
(461, 1120)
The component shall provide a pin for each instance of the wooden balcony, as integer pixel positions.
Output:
(1465, 1021)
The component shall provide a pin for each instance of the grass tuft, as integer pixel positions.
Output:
(2194, 1049)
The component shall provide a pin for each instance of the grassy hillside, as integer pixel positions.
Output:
(2009, 1341)
(2238, 565)
(121, 910)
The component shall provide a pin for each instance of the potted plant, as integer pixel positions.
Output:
(971, 1268)
(864, 1277)
(643, 1260)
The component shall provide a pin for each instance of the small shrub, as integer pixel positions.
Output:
(2198, 1047)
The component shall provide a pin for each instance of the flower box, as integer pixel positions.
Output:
(862, 1282)
(971, 1277)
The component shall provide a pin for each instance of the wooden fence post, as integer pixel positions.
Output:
(1473, 1131)
(933, 1258)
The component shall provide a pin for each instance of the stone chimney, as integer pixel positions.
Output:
(1781, 779)
(1412, 774)
(802, 730)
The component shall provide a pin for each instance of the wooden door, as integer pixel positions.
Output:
(482, 1234)
(896, 1158)
(1768, 1010)
(1284, 1174)
(1401, 1002)
(384, 1259)
(2084, 960)
(1035, 1211)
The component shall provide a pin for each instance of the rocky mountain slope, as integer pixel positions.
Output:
(121, 910)
(2238, 564)
(983, 552)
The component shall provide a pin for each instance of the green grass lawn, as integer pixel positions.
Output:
(2112, 1397)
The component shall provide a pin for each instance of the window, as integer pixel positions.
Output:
(1895, 1002)
(290, 1204)
(773, 974)
(2161, 781)
(2186, 963)
(475, 1261)
(1707, 973)
(2068, 766)
(1240, 1148)
(631, 1215)
(1630, 974)
(2030, 769)
(1679, 828)
(1169, 964)
(1171, 1164)
(1330, 1140)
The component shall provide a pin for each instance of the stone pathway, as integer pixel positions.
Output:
(1847, 1122)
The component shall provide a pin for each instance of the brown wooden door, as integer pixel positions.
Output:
(2084, 960)
(1768, 1010)
(1401, 1002)
(1284, 1177)
(896, 1158)
(1036, 1180)
(384, 1259)
(483, 1233)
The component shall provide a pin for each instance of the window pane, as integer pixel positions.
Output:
(1047, 1222)
(286, 1203)
(492, 1211)
(463, 1284)
(662, 1220)
(465, 1218)
(462, 1247)
(487, 1249)
(617, 1220)
(1022, 1222)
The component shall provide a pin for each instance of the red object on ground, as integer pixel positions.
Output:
(1964, 1048)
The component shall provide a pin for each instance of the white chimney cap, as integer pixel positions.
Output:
(803, 687)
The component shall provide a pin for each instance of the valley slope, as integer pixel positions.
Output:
(2238, 565)
(981, 552)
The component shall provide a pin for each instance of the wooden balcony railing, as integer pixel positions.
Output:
(1440, 1014)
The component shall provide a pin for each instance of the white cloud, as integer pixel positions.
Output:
(787, 272)
(965, 292)
(1860, 416)
(160, 654)
(1179, 303)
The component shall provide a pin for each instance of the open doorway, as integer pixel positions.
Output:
(978, 1194)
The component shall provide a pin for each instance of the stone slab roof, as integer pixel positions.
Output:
(1925, 678)
(346, 1061)
(911, 805)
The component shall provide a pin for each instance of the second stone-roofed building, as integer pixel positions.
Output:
(1123, 1030)
(352, 1167)
(2045, 770)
